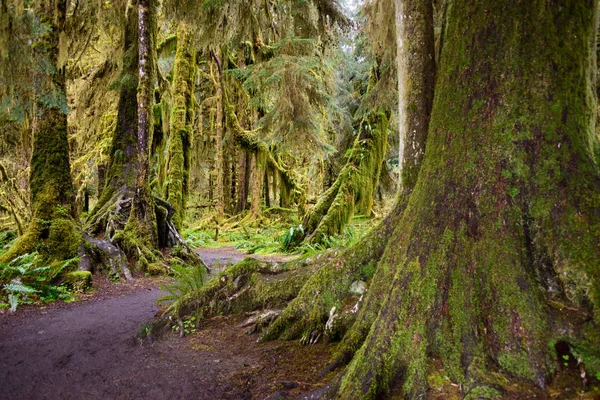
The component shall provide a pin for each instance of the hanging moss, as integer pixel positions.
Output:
(354, 189)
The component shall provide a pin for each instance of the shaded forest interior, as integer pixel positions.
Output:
(431, 167)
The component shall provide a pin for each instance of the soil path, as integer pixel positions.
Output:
(88, 350)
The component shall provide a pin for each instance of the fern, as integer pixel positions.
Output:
(187, 280)
(19, 288)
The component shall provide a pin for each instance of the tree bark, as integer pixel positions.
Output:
(416, 63)
(486, 246)
(243, 180)
(112, 210)
(256, 173)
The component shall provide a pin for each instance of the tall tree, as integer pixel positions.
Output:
(52, 229)
(181, 131)
(127, 213)
(494, 257)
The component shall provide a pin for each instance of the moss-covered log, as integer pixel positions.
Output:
(181, 131)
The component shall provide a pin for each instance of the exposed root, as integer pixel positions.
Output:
(104, 255)
(247, 286)
(259, 319)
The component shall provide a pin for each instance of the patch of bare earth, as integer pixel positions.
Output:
(89, 349)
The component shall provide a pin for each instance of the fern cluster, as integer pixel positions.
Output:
(28, 279)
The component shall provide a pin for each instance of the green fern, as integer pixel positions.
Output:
(187, 280)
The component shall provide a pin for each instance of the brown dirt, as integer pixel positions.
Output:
(89, 349)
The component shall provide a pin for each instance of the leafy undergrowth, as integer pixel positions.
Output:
(271, 233)
(29, 279)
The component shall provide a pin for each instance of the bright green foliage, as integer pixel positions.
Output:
(187, 279)
(29, 278)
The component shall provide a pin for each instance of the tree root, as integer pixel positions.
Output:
(247, 286)
(104, 256)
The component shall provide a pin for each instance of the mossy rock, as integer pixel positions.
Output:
(156, 269)
(79, 280)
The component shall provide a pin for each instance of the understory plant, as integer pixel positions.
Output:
(186, 279)
(29, 279)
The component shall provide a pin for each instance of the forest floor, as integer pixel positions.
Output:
(88, 349)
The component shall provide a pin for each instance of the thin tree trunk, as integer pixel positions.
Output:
(181, 130)
(416, 63)
(145, 101)
(242, 192)
(256, 177)
(220, 206)
(266, 190)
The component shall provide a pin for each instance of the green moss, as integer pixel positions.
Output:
(355, 186)
(180, 130)
(483, 392)
(156, 269)
(78, 280)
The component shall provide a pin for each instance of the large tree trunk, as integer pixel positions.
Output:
(112, 210)
(502, 229)
(52, 228)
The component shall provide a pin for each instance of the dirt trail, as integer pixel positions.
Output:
(88, 350)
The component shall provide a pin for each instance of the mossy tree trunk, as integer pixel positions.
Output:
(218, 80)
(127, 214)
(112, 210)
(142, 219)
(243, 180)
(416, 64)
(52, 229)
(256, 173)
(502, 227)
(181, 131)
